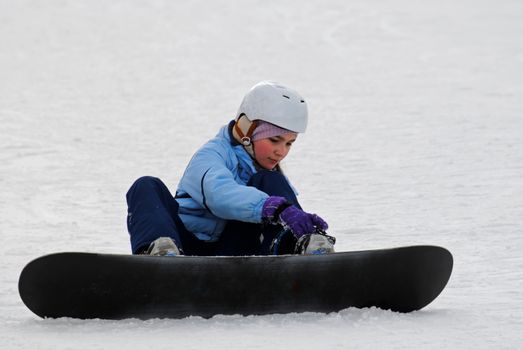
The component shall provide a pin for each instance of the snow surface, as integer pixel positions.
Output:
(416, 137)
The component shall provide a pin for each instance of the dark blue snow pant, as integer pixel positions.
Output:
(153, 213)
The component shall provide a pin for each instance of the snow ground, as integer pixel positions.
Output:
(415, 138)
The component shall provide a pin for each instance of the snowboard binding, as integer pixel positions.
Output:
(316, 243)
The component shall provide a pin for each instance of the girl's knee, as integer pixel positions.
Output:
(266, 177)
(146, 180)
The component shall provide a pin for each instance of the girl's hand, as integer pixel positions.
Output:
(278, 210)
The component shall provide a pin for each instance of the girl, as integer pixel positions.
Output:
(233, 198)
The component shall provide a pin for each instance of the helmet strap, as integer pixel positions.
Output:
(244, 139)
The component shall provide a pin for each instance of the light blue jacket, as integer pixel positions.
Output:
(212, 189)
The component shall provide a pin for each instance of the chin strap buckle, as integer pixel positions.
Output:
(246, 141)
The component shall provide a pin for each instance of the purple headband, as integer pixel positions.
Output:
(265, 130)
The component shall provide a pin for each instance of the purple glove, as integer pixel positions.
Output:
(277, 209)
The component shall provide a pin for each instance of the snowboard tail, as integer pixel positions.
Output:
(108, 286)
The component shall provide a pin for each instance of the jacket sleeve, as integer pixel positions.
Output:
(209, 181)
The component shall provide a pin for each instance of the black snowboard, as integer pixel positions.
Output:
(85, 285)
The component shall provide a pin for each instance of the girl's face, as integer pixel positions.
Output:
(270, 151)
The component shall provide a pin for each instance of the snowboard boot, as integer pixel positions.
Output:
(163, 246)
(315, 244)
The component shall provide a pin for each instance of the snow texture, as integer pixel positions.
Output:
(415, 137)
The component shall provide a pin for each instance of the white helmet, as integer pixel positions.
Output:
(274, 103)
